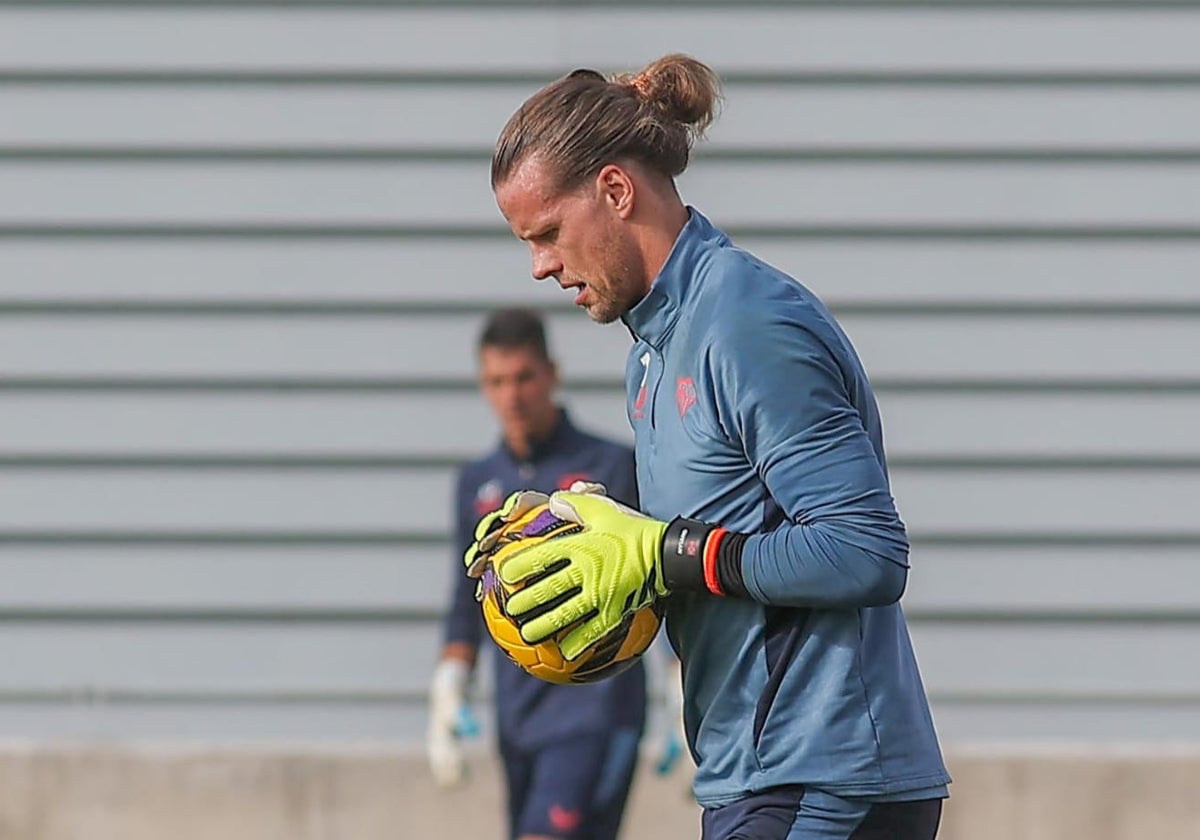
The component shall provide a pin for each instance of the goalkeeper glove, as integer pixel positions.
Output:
(489, 529)
(617, 562)
(449, 720)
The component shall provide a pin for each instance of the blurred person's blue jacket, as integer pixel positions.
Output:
(531, 712)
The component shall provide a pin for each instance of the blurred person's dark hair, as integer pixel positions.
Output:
(515, 327)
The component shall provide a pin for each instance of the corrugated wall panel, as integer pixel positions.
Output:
(244, 250)
(224, 658)
(402, 580)
(770, 39)
(393, 117)
(986, 347)
(315, 426)
(475, 272)
(1106, 578)
(365, 499)
(392, 580)
(237, 660)
(409, 196)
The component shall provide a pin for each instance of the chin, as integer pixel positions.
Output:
(602, 314)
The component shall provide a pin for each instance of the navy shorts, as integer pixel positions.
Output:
(797, 813)
(574, 790)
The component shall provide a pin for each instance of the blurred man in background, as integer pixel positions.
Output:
(569, 751)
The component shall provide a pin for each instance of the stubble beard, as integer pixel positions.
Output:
(614, 299)
(604, 310)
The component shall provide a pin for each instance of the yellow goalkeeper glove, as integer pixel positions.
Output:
(610, 567)
(490, 529)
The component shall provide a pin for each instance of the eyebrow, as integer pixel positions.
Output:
(536, 231)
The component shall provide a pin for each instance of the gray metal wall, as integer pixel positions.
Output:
(244, 250)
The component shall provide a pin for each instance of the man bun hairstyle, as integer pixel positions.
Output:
(682, 89)
(585, 121)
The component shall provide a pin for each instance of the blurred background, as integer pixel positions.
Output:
(245, 248)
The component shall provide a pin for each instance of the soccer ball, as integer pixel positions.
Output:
(609, 656)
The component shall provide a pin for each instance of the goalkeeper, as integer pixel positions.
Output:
(569, 752)
(770, 528)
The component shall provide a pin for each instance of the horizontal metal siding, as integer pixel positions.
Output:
(238, 659)
(412, 197)
(765, 39)
(363, 499)
(230, 237)
(1094, 348)
(1028, 273)
(970, 578)
(438, 117)
(142, 426)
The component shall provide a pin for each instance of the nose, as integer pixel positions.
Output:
(502, 394)
(509, 399)
(545, 263)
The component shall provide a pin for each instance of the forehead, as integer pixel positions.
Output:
(527, 197)
(498, 360)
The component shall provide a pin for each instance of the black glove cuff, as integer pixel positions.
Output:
(690, 563)
(683, 554)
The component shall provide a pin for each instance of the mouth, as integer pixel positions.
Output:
(580, 294)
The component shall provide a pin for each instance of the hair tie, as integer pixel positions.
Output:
(640, 85)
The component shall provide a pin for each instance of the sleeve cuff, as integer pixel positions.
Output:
(701, 557)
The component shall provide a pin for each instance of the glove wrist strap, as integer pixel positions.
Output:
(701, 557)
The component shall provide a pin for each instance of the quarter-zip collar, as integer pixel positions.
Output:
(654, 316)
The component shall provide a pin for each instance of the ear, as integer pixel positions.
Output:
(616, 188)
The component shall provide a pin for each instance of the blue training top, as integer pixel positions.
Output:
(751, 409)
(531, 712)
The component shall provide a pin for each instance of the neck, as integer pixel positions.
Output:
(522, 442)
(669, 216)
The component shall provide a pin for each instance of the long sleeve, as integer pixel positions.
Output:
(782, 393)
(463, 621)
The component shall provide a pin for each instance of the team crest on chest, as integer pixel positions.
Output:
(488, 497)
(685, 394)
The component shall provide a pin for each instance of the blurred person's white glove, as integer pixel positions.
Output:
(450, 720)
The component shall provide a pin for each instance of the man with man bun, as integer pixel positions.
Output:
(766, 519)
